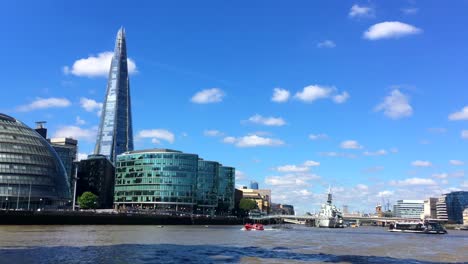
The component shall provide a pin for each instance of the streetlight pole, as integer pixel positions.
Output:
(74, 187)
(17, 196)
(29, 196)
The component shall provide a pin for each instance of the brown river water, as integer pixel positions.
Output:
(225, 244)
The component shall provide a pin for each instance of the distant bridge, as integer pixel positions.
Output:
(309, 218)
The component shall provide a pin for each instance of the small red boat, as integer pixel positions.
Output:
(258, 227)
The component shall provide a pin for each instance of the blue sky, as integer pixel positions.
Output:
(366, 96)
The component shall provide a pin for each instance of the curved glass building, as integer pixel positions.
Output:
(207, 186)
(31, 173)
(160, 179)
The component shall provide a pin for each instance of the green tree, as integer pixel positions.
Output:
(247, 204)
(88, 200)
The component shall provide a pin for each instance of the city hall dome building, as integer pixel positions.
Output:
(31, 173)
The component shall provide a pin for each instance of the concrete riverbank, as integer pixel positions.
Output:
(93, 218)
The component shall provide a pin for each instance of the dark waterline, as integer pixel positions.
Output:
(225, 244)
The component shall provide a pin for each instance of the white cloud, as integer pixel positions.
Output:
(410, 10)
(156, 135)
(381, 152)
(362, 187)
(240, 175)
(267, 121)
(318, 136)
(311, 163)
(253, 141)
(350, 144)
(213, 133)
(291, 180)
(464, 134)
(440, 175)
(207, 96)
(385, 193)
(326, 44)
(313, 92)
(79, 121)
(43, 103)
(76, 133)
(338, 154)
(82, 156)
(390, 29)
(396, 105)
(421, 163)
(456, 162)
(292, 168)
(464, 184)
(280, 95)
(90, 105)
(413, 181)
(460, 115)
(361, 11)
(341, 98)
(95, 66)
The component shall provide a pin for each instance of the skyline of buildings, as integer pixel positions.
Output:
(115, 132)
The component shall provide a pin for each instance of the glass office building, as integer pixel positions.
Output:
(31, 173)
(157, 179)
(455, 203)
(226, 186)
(409, 209)
(115, 132)
(207, 186)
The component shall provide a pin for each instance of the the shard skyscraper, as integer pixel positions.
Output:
(115, 133)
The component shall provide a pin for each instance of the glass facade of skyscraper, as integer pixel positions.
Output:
(207, 186)
(115, 132)
(226, 186)
(456, 202)
(409, 209)
(156, 179)
(31, 173)
(170, 180)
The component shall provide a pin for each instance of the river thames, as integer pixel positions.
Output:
(225, 244)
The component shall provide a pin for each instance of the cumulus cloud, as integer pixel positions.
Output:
(338, 154)
(362, 187)
(326, 44)
(350, 144)
(267, 121)
(76, 133)
(311, 163)
(96, 66)
(318, 136)
(341, 98)
(240, 175)
(360, 11)
(44, 103)
(207, 96)
(312, 93)
(396, 105)
(385, 193)
(460, 115)
(156, 135)
(213, 133)
(381, 152)
(291, 180)
(253, 141)
(421, 163)
(90, 105)
(413, 181)
(456, 162)
(390, 29)
(298, 168)
(464, 134)
(440, 175)
(280, 95)
(79, 121)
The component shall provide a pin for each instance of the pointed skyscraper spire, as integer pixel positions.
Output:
(115, 133)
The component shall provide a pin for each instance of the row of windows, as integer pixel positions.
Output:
(13, 138)
(156, 187)
(23, 149)
(157, 156)
(26, 159)
(10, 179)
(25, 169)
(171, 180)
(153, 199)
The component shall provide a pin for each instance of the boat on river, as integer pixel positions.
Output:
(418, 227)
(257, 227)
(330, 216)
